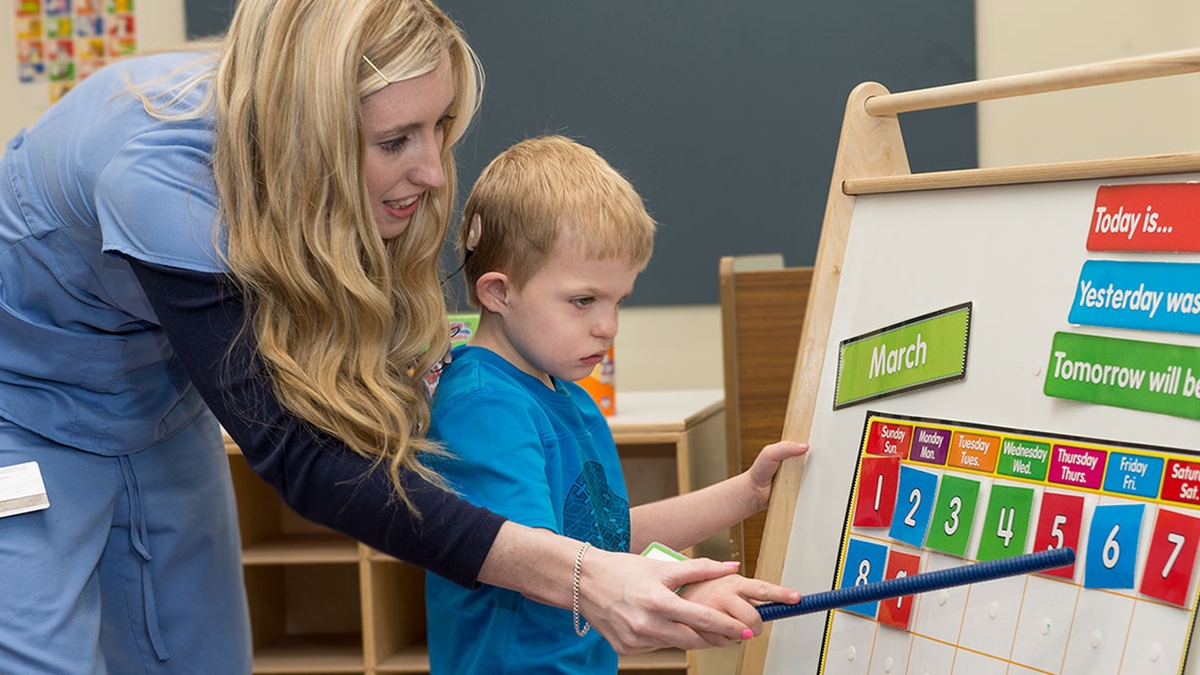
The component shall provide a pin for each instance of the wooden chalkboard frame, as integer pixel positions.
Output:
(871, 159)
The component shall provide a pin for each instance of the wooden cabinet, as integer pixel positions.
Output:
(321, 603)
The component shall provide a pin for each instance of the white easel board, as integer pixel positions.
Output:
(1072, 420)
(1016, 254)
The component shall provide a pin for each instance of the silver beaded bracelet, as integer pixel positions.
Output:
(575, 591)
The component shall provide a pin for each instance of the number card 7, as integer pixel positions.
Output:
(1169, 565)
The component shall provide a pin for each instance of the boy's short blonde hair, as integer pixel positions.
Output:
(541, 190)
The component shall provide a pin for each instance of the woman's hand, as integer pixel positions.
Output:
(631, 601)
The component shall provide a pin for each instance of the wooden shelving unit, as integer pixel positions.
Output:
(323, 604)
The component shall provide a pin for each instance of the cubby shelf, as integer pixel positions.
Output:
(323, 604)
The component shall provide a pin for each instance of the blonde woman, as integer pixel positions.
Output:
(247, 236)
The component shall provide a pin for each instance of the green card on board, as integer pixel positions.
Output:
(916, 353)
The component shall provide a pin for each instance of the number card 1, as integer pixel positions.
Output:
(1172, 556)
(877, 491)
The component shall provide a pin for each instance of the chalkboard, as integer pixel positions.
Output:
(724, 115)
(1065, 425)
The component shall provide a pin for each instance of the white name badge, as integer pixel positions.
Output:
(21, 489)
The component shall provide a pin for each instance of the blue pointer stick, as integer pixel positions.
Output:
(920, 583)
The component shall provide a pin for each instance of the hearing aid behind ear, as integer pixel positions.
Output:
(473, 231)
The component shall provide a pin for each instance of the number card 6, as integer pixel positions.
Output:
(1112, 546)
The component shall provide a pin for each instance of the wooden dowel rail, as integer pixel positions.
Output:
(1028, 173)
(1073, 77)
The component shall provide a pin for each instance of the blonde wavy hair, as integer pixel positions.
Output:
(347, 324)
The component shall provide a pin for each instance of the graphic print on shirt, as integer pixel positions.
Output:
(594, 513)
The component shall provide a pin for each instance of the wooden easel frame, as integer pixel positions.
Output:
(871, 159)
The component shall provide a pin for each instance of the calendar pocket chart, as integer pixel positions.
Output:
(1127, 604)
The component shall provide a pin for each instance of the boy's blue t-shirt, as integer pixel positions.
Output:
(540, 457)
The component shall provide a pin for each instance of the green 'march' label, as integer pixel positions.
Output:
(917, 353)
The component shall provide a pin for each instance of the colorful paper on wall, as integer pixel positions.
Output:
(61, 42)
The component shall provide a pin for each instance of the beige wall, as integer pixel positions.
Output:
(1012, 37)
(1128, 119)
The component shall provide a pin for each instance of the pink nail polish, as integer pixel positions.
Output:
(747, 634)
(731, 563)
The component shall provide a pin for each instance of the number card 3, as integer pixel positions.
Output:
(954, 515)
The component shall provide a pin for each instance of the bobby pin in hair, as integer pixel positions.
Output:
(377, 71)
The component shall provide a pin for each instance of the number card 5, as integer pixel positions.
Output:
(1058, 526)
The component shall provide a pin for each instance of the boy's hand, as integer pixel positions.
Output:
(736, 596)
(762, 472)
(631, 601)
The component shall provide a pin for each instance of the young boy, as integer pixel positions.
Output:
(553, 240)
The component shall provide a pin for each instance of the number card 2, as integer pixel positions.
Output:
(1112, 546)
(1058, 526)
(917, 491)
(1169, 564)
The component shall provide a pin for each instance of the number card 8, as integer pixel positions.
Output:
(865, 564)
